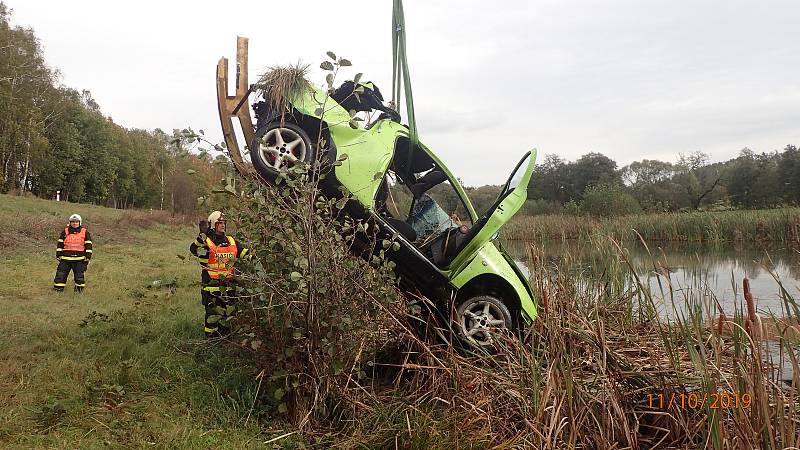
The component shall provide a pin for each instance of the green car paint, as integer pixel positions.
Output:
(365, 156)
(515, 197)
(489, 261)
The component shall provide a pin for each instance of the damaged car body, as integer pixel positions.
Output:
(448, 253)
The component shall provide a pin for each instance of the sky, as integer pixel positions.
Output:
(632, 79)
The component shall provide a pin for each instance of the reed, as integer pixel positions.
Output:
(762, 226)
(603, 366)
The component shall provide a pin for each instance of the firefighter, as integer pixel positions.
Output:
(217, 254)
(73, 252)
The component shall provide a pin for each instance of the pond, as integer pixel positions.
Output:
(695, 273)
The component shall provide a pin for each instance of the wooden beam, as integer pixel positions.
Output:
(243, 90)
(226, 105)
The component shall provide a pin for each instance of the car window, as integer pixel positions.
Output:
(398, 198)
(446, 196)
(433, 212)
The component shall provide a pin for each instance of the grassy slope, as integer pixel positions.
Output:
(123, 363)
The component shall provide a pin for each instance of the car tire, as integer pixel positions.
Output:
(480, 319)
(280, 146)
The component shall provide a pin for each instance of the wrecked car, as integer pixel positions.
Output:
(448, 252)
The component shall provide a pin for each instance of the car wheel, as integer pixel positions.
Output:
(280, 146)
(481, 317)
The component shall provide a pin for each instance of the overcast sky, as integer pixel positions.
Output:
(631, 79)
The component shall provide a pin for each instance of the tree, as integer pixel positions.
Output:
(591, 169)
(753, 180)
(647, 172)
(697, 178)
(788, 174)
(25, 83)
(550, 182)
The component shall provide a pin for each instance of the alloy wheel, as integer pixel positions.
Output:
(282, 148)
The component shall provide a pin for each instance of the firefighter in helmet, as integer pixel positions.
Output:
(217, 253)
(73, 252)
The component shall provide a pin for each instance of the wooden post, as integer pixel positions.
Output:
(227, 103)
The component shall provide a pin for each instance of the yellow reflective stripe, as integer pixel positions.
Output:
(87, 242)
(73, 258)
(244, 252)
(217, 288)
(199, 244)
(209, 330)
(59, 284)
(89, 251)
(231, 240)
(60, 240)
(80, 285)
(203, 260)
(59, 249)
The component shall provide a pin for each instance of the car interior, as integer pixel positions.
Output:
(419, 202)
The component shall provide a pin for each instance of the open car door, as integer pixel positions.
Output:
(510, 200)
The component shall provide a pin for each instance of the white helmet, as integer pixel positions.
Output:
(214, 217)
(75, 217)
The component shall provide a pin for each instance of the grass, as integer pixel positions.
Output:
(125, 363)
(765, 226)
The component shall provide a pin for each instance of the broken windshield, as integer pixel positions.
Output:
(428, 218)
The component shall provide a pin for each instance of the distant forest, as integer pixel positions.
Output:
(55, 138)
(595, 185)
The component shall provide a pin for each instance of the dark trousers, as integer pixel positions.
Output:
(217, 313)
(62, 272)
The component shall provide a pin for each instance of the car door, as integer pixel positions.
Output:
(510, 200)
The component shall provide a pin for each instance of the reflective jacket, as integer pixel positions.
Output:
(223, 244)
(74, 244)
(221, 259)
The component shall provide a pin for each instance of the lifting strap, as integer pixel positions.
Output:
(400, 76)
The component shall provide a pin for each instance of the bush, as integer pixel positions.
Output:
(538, 207)
(311, 311)
(607, 200)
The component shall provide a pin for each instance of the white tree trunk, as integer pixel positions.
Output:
(161, 207)
(23, 180)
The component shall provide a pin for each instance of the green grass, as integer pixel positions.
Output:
(123, 364)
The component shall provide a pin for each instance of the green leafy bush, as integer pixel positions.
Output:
(310, 310)
(607, 200)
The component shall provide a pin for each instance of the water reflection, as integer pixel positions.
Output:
(697, 274)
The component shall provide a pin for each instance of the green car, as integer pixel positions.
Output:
(447, 251)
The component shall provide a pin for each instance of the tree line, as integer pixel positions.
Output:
(594, 184)
(55, 138)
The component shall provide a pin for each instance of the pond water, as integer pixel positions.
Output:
(678, 275)
(697, 273)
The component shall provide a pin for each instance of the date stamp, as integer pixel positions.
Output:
(700, 400)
